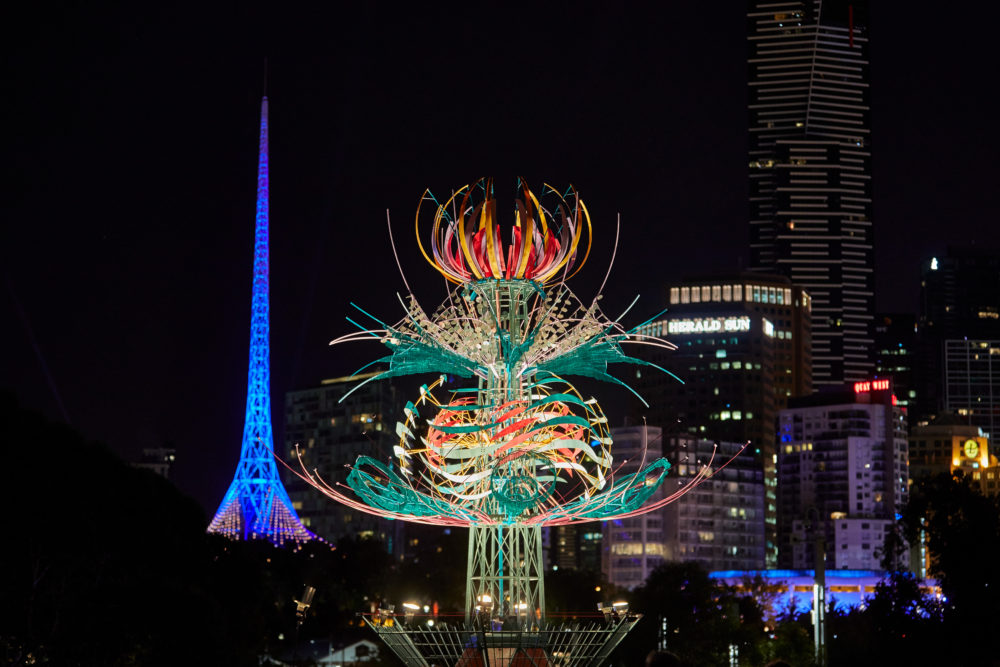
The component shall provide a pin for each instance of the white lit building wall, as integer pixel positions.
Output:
(720, 524)
(858, 544)
(633, 547)
(836, 466)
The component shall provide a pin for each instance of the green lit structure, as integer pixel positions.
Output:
(514, 447)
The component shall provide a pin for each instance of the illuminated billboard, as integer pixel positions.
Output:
(708, 325)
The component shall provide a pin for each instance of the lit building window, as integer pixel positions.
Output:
(685, 295)
(756, 293)
(695, 295)
(737, 292)
(706, 293)
(788, 296)
(727, 292)
(675, 295)
(717, 293)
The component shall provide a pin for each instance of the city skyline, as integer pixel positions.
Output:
(126, 260)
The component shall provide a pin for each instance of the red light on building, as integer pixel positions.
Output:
(873, 385)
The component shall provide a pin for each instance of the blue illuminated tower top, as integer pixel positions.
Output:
(256, 505)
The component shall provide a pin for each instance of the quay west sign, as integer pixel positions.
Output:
(708, 325)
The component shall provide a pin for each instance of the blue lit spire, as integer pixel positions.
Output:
(256, 504)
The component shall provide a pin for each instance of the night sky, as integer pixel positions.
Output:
(131, 146)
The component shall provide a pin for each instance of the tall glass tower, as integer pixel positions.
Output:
(256, 506)
(810, 170)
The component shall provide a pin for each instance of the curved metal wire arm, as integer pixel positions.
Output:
(385, 494)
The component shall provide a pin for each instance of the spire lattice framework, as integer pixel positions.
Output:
(256, 505)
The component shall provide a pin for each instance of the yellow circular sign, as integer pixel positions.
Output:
(971, 448)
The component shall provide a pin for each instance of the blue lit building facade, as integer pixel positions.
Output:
(845, 589)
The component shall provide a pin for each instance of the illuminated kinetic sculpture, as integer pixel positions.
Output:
(256, 506)
(516, 449)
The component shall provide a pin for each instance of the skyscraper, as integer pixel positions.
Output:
(972, 382)
(743, 352)
(810, 170)
(959, 308)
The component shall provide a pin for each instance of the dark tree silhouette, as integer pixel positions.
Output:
(962, 531)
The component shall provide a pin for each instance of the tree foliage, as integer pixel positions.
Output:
(899, 624)
(105, 564)
(961, 527)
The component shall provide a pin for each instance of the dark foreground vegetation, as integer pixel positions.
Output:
(104, 564)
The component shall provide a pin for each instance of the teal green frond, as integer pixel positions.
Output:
(627, 494)
(379, 486)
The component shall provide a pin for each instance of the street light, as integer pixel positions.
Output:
(484, 609)
(383, 615)
(411, 609)
(302, 606)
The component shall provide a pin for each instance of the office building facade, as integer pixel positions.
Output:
(633, 547)
(742, 352)
(947, 445)
(331, 434)
(843, 474)
(575, 547)
(896, 355)
(810, 170)
(972, 382)
(959, 312)
(720, 523)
